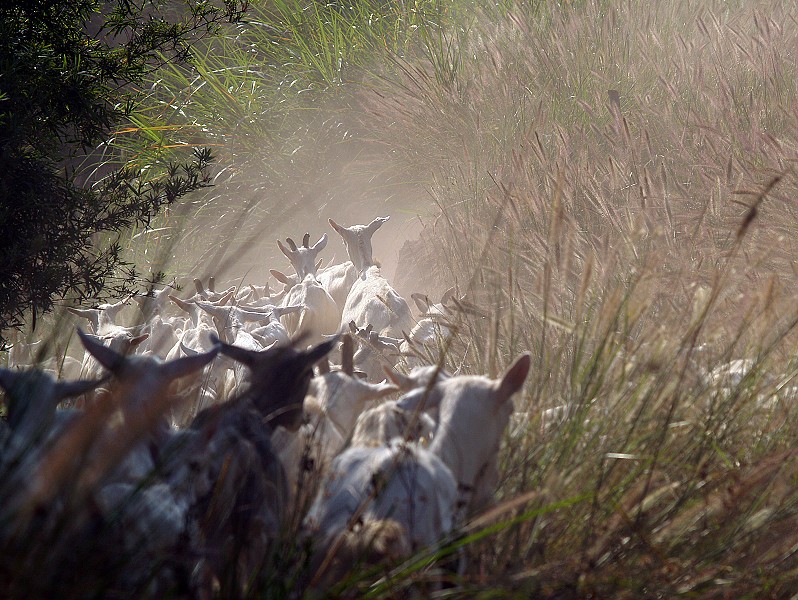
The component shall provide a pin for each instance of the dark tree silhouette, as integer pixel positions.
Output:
(68, 71)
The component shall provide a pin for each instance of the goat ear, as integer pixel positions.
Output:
(279, 311)
(69, 389)
(227, 296)
(321, 244)
(246, 357)
(112, 310)
(107, 357)
(141, 299)
(514, 377)
(322, 350)
(283, 249)
(380, 390)
(188, 364)
(188, 351)
(181, 304)
(280, 276)
(376, 224)
(422, 301)
(138, 339)
(341, 231)
(207, 307)
(402, 382)
(86, 313)
(91, 314)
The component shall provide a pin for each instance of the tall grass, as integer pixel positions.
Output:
(615, 188)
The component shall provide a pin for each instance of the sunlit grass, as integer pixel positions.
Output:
(612, 201)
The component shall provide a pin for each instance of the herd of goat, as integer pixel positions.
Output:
(193, 442)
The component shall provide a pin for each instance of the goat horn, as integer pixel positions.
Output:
(291, 244)
(323, 365)
(347, 355)
(306, 241)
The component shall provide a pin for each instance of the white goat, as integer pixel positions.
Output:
(122, 340)
(103, 318)
(374, 352)
(319, 315)
(335, 400)
(303, 258)
(217, 380)
(274, 331)
(357, 239)
(422, 490)
(162, 329)
(371, 299)
(388, 422)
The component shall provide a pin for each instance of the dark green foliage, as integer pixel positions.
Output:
(68, 75)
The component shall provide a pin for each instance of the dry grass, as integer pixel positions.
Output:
(615, 185)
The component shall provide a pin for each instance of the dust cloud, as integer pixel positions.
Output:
(335, 171)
